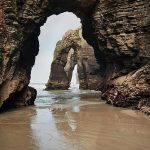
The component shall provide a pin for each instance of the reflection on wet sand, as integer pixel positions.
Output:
(15, 130)
(102, 127)
(74, 123)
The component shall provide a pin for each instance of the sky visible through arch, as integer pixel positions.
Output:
(51, 33)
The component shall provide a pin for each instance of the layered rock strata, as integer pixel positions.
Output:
(119, 31)
(70, 51)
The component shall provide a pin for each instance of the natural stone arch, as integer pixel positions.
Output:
(20, 28)
(120, 40)
(70, 51)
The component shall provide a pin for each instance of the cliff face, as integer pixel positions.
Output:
(122, 30)
(70, 51)
(119, 31)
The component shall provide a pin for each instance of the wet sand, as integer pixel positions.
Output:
(73, 122)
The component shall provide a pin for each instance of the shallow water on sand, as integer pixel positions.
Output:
(73, 120)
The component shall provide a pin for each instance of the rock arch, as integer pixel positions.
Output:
(70, 51)
(118, 31)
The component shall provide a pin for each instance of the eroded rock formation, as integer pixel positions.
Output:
(119, 31)
(70, 51)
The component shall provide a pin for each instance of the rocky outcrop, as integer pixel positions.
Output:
(70, 51)
(130, 90)
(88, 69)
(26, 97)
(117, 29)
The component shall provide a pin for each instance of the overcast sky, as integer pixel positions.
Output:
(51, 32)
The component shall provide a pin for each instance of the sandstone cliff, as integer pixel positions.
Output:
(70, 51)
(119, 31)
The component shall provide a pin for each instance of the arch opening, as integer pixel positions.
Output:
(23, 44)
(51, 32)
(75, 79)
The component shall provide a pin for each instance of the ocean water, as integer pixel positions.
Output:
(73, 120)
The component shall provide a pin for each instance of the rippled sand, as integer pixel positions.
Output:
(73, 121)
